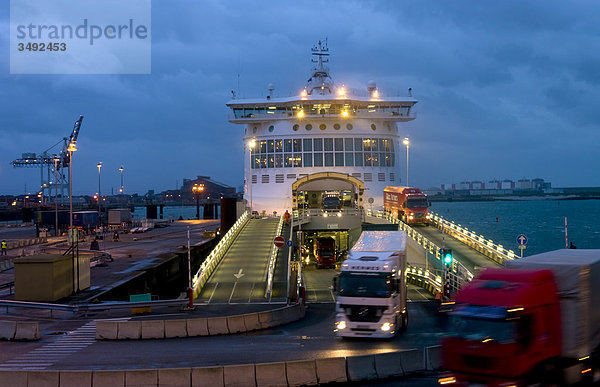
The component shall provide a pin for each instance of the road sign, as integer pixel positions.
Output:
(279, 241)
(289, 243)
(521, 239)
(522, 247)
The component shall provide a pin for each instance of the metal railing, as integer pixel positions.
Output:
(307, 213)
(272, 258)
(426, 278)
(213, 259)
(487, 247)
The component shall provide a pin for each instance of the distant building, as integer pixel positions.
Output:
(212, 189)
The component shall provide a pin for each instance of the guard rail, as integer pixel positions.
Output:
(272, 257)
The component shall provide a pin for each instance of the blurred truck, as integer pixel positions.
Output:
(407, 204)
(87, 220)
(371, 287)
(535, 322)
(325, 253)
(118, 216)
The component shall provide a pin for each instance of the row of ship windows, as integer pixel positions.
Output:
(320, 159)
(280, 178)
(309, 127)
(324, 144)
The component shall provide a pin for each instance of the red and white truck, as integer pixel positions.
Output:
(408, 204)
(535, 322)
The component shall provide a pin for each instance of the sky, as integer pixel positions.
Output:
(506, 90)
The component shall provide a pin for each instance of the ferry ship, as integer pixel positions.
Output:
(326, 141)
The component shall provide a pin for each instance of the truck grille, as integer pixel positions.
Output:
(419, 215)
(478, 362)
(358, 313)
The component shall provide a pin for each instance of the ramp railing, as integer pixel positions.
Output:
(272, 258)
(215, 256)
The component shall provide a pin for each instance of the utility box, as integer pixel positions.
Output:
(119, 216)
(50, 277)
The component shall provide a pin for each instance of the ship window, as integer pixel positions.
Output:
(263, 161)
(339, 159)
(263, 146)
(374, 144)
(265, 179)
(381, 146)
(278, 145)
(254, 179)
(374, 159)
(368, 177)
(381, 177)
(308, 159)
(358, 159)
(318, 159)
(271, 128)
(382, 160)
(349, 159)
(322, 126)
(339, 144)
(373, 127)
(297, 145)
(358, 144)
(367, 159)
(278, 161)
(279, 178)
(349, 144)
(270, 146)
(388, 162)
(297, 159)
(329, 159)
(296, 127)
(385, 144)
(308, 127)
(367, 144)
(254, 130)
(392, 159)
(238, 113)
(328, 144)
(270, 161)
(336, 126)
(260, 110)
(349, 126)
(287, 145)
(288, 159)
(318, 142)
(307, 144)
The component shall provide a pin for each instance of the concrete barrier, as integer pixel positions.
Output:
(361, 368)
(108, 378)
(107, 330)
(301, 373)
(197, 327)
(271, 374)
(75, 378)
(433, 357)
(153, 329)
(13, 378)
(235, 324)
(141, 378)
(7, 330)
(411, 360)
(265, 319)
(129, 330)
(208, 377)
(43, 378)
(175, 328)
(251, 322)
(278, 317)
(239, 375)
(388, 365)
(331, 370)
(175, 377)
(27, 331)
(217, 326)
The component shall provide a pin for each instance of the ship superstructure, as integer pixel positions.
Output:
(324, 141)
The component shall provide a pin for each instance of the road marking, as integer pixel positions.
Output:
(213, 292)
(332, 295)
(232, 290)
(251, 290)
(239, 274)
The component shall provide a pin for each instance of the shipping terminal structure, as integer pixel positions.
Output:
(325, 138)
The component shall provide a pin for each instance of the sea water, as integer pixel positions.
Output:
(541, 221)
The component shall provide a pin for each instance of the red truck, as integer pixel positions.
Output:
(407, 203)
(325, 253)
(537, 321)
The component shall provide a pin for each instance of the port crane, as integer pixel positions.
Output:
(52, 162)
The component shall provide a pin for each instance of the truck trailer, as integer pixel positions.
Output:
(407, 204)
(371, 287)
(325, 253)
(537, 321)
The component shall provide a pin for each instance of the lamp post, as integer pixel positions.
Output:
(121, 170)
(197, 189)
(56, 159)
(99, 195)
(407, 143)
(71, 149)
(251, 145)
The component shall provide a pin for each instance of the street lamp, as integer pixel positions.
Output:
(71, 149)
(197, 189)
(121, 170)
(407, 143)
(99, 195)
(251, 145)
(56, 160)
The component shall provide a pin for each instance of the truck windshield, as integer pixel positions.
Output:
(361, 285)
(331, 203)
(471, 328)
(414, 203)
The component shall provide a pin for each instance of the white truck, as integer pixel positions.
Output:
(371, 288)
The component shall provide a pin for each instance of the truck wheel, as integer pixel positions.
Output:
(404, 322)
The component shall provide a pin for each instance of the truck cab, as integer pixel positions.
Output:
(326, 253)
(407, 204)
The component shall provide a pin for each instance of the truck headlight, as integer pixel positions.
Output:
(339, 214)
(410, 217)
(341, 324)
(386, 327)
(324, 214)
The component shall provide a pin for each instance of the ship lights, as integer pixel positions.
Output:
(341, 91)
(303, 93)
(344, 113)
(300, 113)
(375, 93)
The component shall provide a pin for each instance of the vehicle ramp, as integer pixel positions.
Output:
(241, 276)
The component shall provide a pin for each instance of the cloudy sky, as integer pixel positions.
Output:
(506, 89)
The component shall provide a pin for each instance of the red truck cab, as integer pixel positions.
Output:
(325, 253)
(407, 203)
(505, 327)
